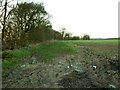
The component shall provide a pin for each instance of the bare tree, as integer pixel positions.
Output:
(5, 10)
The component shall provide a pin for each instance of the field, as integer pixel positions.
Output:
(63, 64)
(91, 41)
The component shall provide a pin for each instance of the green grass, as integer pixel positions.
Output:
(52, 49)
(9, 64)
(13, 59)
(47, 50)
(20, 53)
(90, 41)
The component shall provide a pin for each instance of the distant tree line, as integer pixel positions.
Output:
(68, 36)
(84, 37)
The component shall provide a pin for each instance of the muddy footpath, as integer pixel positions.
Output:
(81, 70)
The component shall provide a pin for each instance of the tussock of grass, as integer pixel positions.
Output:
(21, 53)
(13, 58)
(10, 63)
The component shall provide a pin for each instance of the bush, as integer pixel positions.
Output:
(75, 38)
(85, 37)
(6, 54)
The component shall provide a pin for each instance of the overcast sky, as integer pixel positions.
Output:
(98, 18)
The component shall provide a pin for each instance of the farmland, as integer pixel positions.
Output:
(63, 64)
(39, 53)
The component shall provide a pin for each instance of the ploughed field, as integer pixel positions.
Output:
(65, 64)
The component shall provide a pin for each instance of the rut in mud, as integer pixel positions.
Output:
(84, 69)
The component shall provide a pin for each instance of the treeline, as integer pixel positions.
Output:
(68, 36)
(28, 23)
(25, 23)
(84, 37)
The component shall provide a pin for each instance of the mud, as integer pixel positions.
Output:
(85, 69)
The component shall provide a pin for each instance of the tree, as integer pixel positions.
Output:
(24, 20)
(75, 38)
(68, 36)
(56, 35)
(63, 32)
(4, 13)
(86, 37)
(33, 17)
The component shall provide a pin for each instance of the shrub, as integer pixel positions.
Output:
(6, 54)
(75, 38)
(86, 37)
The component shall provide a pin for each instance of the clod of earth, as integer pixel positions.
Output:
(76, 80)
(115, 65)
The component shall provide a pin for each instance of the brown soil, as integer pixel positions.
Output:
(85, 69)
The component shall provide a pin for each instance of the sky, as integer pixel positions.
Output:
(97, 18)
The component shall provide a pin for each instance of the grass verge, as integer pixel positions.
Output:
(50, 50)
(47, 50)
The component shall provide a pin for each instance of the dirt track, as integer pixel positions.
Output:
(85, 69)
